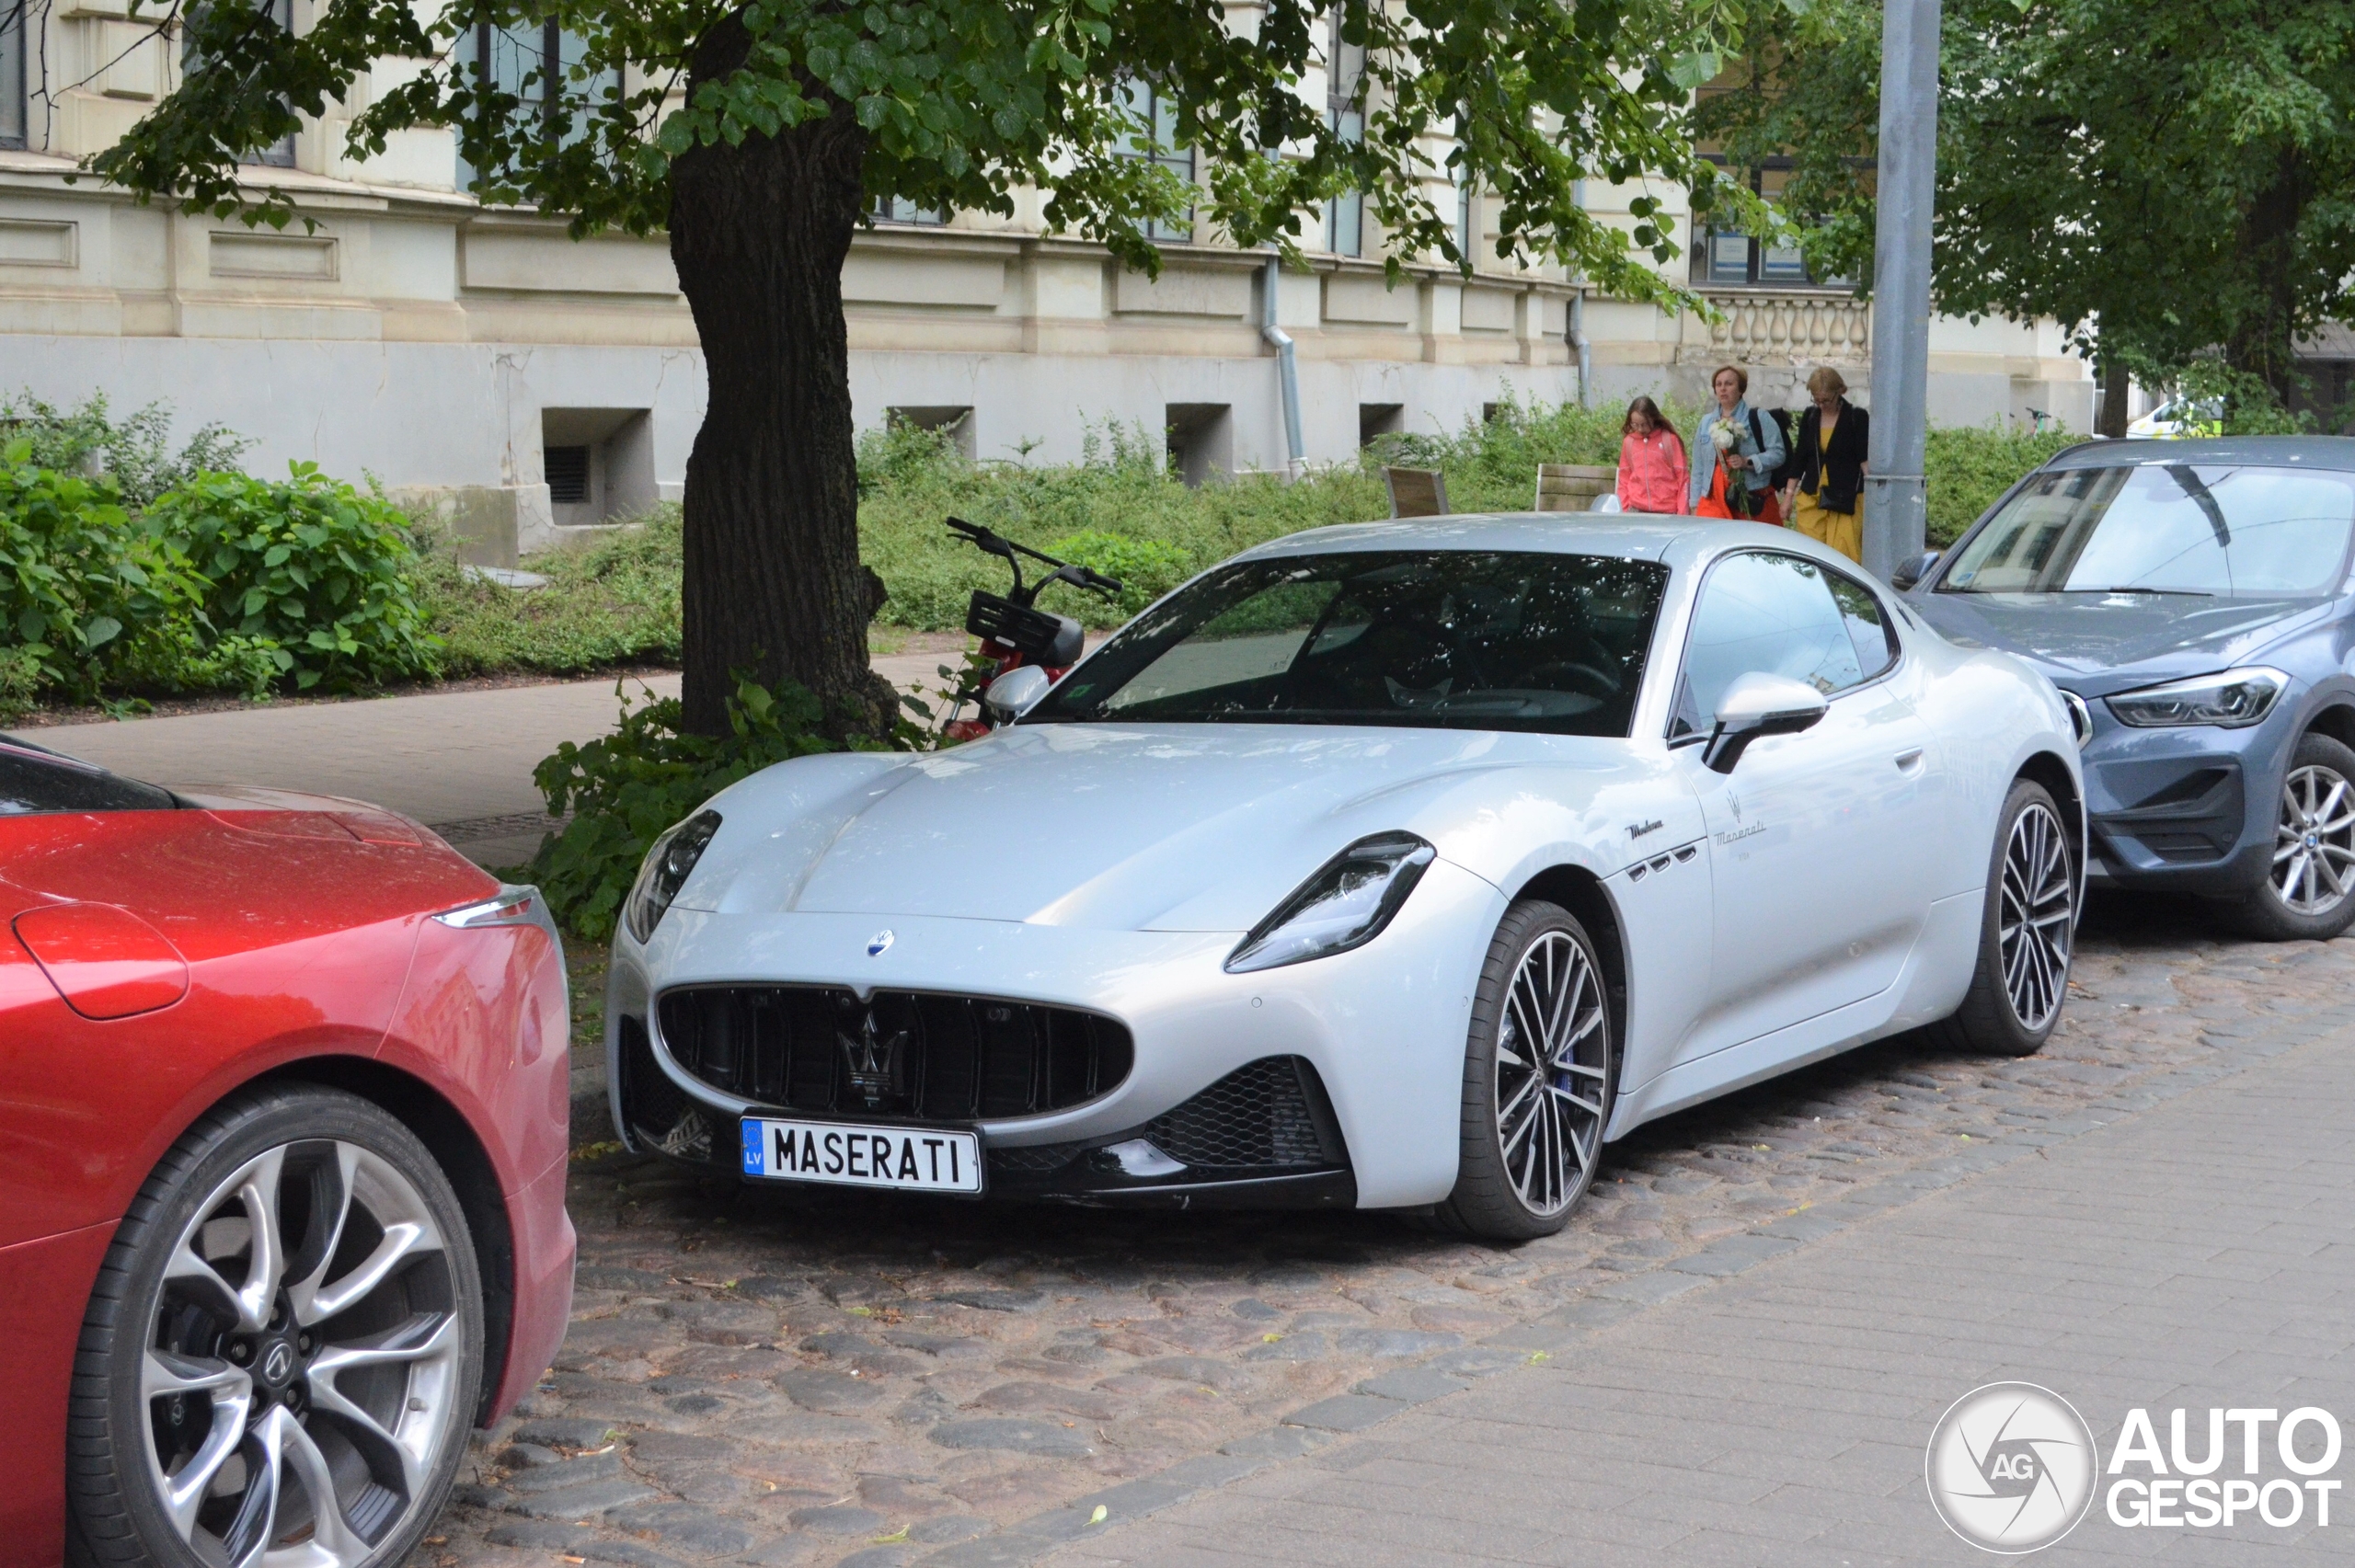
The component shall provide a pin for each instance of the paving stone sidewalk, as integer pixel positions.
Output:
(2197, 1255)
(777, 1380)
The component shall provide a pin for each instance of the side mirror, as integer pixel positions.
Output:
(1913, 570)
(1759, 704)
(1015, 692)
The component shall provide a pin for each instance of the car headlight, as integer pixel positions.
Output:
(1345, 905)
(2233, 700)
(664, 872)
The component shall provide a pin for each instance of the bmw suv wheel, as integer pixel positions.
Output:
(2308, 889)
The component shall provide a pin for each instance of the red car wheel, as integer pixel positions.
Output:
(284, 1348)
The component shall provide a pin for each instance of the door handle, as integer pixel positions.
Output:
(1906, 759)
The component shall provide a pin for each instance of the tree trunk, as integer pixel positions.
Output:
(2117, 388)
(773, 581)
(2259, 341)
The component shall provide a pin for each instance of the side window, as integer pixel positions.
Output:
(1771, 613)
(1868, 627)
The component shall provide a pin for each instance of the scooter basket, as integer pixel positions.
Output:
(1035, 635)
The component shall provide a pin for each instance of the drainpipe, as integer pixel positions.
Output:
(1287, 373)
(1578, 342)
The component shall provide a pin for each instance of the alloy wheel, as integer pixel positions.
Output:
(303, 1351)
(2038, 923)
(2313, 841)
(1552, 1053)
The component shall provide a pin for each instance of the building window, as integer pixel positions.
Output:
(279, 154)
(1345, 114)
(528, 61)
(900, 209)
(567, 473)
(15, 16)
(1153, 106)
(1736, 260)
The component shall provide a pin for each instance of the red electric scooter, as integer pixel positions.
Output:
(1012, 632)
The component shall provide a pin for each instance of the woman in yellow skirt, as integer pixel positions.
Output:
(1823, 500)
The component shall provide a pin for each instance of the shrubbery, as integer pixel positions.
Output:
(1122, 512)
(222, 581)
(134, 452)
(613, 602)
(307, 566)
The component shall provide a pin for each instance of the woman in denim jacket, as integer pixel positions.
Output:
(1722, 476)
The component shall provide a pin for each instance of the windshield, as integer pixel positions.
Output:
(1427, 639)
(34, 779)
(2207, 528)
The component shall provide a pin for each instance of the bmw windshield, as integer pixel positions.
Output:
(2203, 530)
(1427, 639)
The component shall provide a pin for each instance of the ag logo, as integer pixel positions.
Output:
(2011, 1468)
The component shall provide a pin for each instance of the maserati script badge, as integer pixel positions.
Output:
(878, 944)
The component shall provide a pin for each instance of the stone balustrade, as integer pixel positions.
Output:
(1756, 327)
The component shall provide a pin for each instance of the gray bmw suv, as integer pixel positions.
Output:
(2190, 599)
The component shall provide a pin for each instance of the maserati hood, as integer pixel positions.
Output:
(2096, 643)
(1175, 827)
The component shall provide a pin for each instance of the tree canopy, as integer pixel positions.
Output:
(962, 103)
(2170, 179)
(759, 136)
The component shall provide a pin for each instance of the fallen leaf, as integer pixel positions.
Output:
(896, 1536)
(1270, 1338)
(1101, 1514)
(1537, 1356)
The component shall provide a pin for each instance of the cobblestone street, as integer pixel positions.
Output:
(774, 1378)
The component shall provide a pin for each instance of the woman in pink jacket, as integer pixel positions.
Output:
(1653, 473)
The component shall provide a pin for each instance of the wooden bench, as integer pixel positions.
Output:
(1572, 486)
(1416, 492)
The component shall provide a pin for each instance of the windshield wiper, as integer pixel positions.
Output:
(2181, 592)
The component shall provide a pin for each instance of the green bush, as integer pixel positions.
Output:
(20, 683)
(626, 788)
(1968, 468)
(613, 602)
(134, 452)
(1145, 568)
(88, 598)
(308, 564)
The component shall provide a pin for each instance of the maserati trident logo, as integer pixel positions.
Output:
(873, 1057)
(879, 944)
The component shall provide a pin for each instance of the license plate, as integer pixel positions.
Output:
(860, 1154)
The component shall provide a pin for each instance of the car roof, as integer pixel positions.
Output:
(1568, 533)
(2335, 453)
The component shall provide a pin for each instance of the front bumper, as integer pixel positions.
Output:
(1374, 1039)
(2187, 809)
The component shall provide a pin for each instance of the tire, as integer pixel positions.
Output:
(2307, 892)
(349, 1365)
(2027, 931)
(1523, 1170)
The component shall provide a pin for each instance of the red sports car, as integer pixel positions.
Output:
(283, 1103)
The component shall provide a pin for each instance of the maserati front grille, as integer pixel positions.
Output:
(912, 1054)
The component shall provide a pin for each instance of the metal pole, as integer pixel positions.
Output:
(1896, 507)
